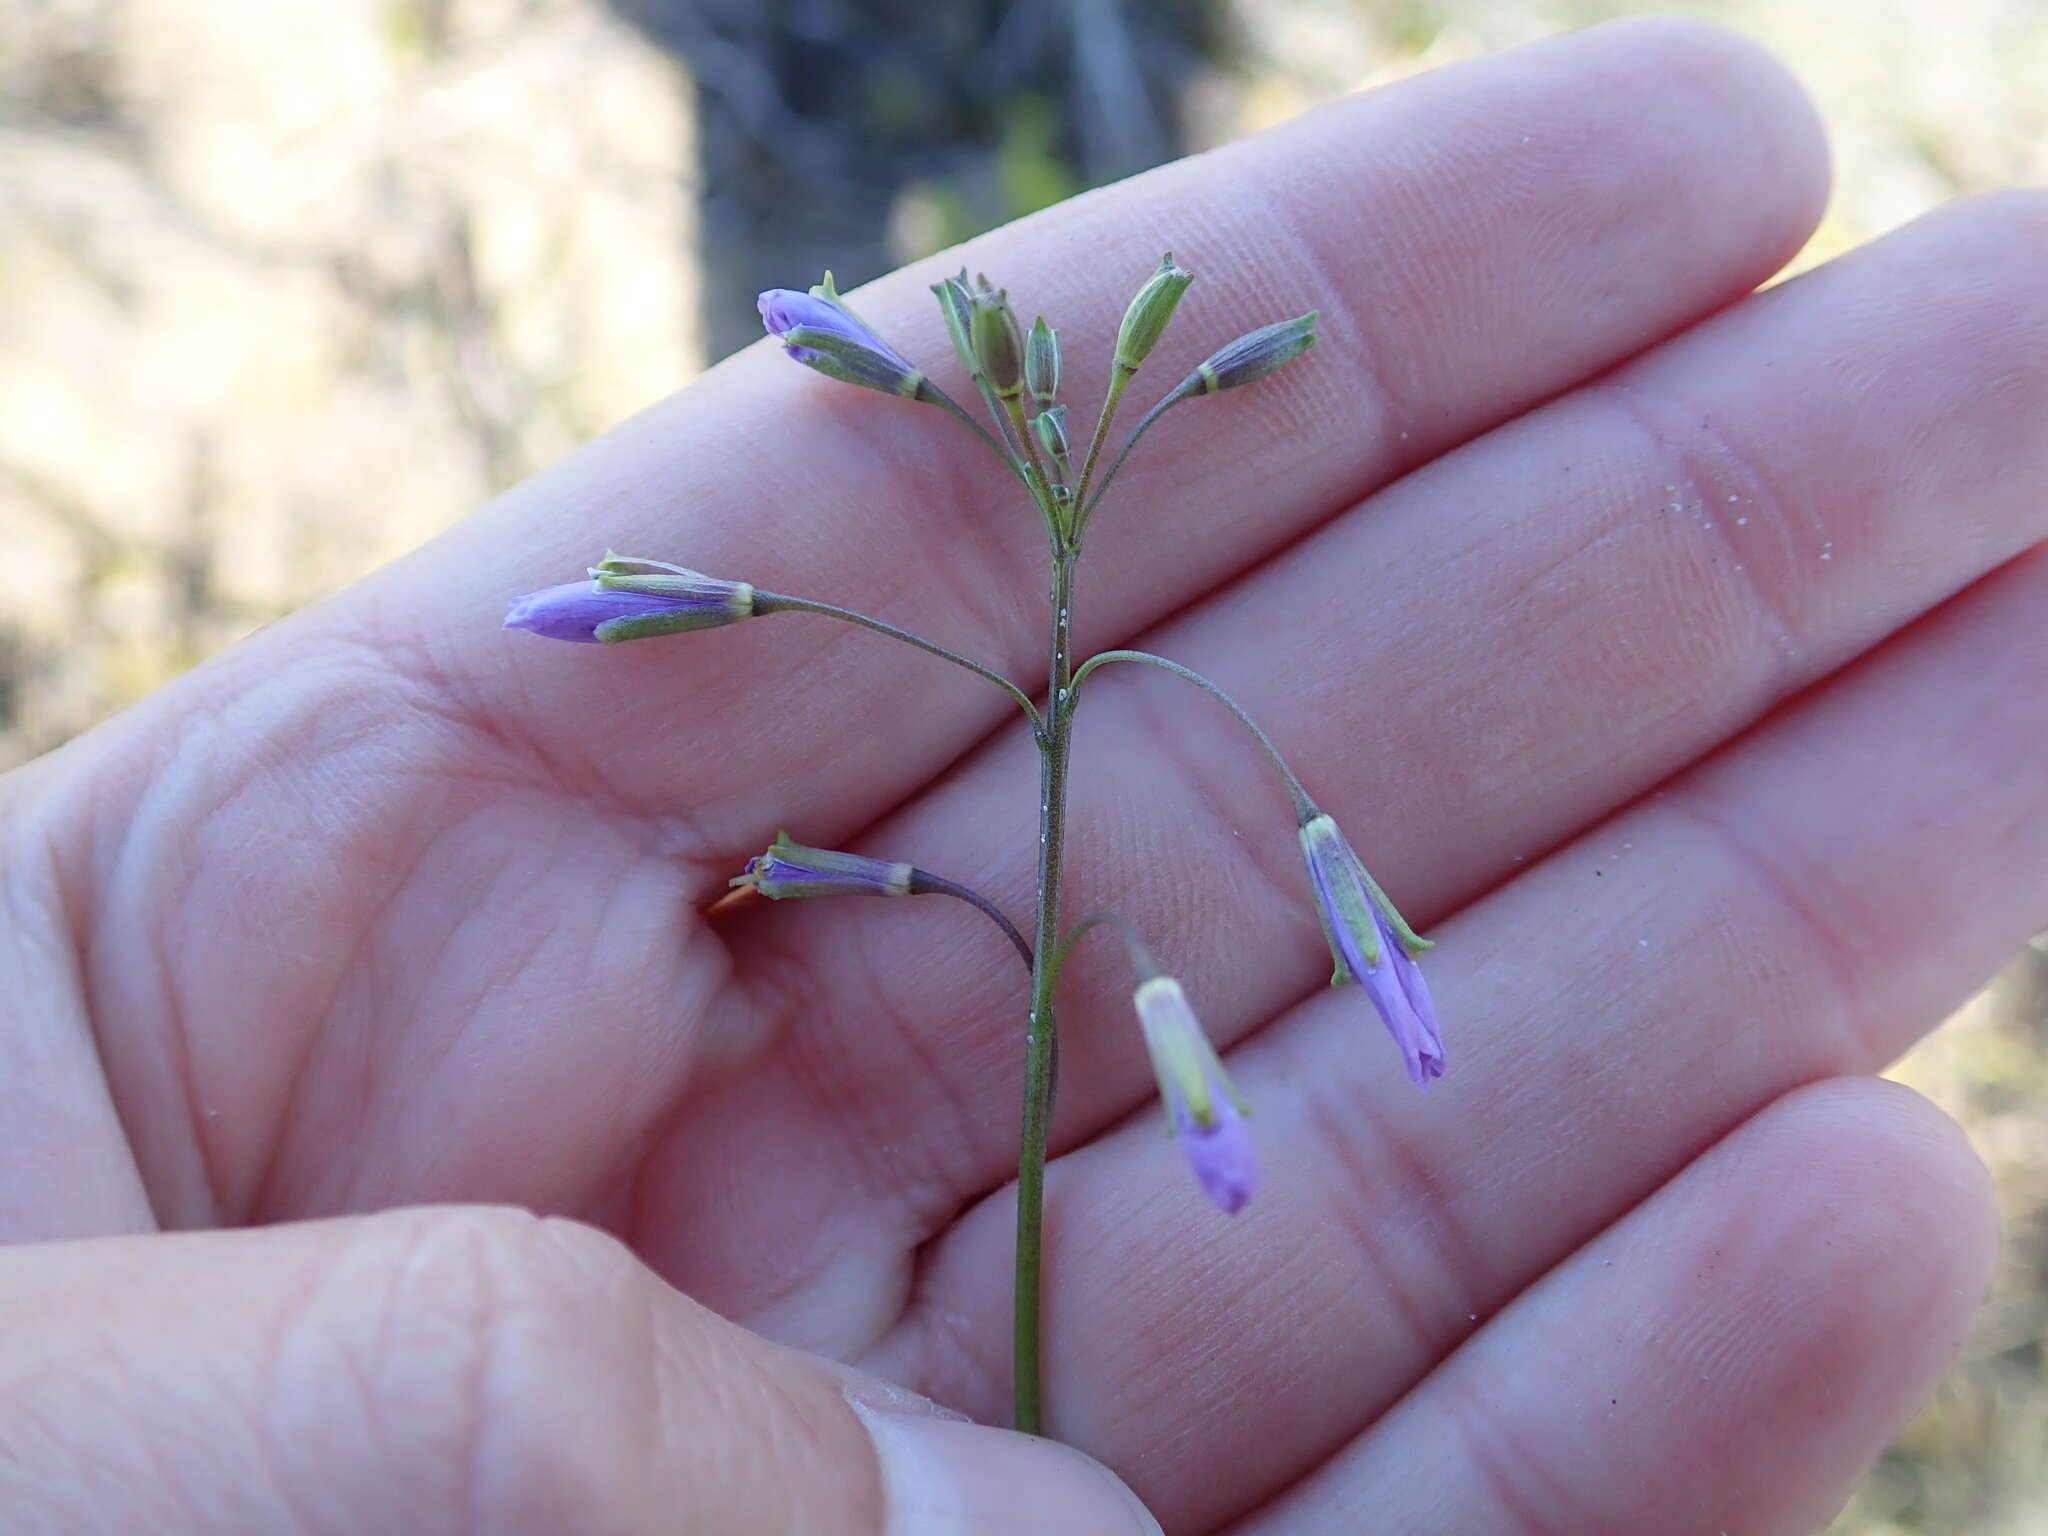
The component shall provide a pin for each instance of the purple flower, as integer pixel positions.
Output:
(1221, 1157)
(822, 333)
(1202, 1107)
(1372, 942)
(790, 869)
(628, 599)
(784, 309)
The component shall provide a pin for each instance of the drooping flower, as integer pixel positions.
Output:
(1373, 943)
(1203, 1109)
(629, 599)
(790, 869)
(819, 331)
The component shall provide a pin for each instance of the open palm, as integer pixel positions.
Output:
(1673, 656)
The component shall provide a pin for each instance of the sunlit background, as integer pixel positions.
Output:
(286, 287)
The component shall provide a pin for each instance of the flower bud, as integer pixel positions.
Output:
(956, 305)
(819, 331)
(1203, 1109)
(628, 599)
(998, 344)
(1042, 363)
(1051, 427)
(1253, 355)
(1373, 944)
(1146, 319)
(790, 869)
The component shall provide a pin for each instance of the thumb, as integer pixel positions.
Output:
(465, 1369)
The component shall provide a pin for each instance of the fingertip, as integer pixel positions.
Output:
(944, 1476)
(1773, 127)
(1898, 1185)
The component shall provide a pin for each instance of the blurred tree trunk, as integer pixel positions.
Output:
(816, 116)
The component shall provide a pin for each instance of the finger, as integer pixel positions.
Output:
(1731, 1356)
(1477, 242)
(462, 1370)
(1801, 906)
(1480, 661)
(69, 1171)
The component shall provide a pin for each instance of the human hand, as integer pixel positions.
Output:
(1676, 665)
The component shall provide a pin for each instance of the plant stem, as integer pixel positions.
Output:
(781, 602)
(1134, 943)
(940, 398)
(1304, 807)
(1041, 1061)
(1042, 493)
(1119, 381)
(924, 883)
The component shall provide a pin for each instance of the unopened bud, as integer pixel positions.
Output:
(956, 304)
(819, 331)
(1042, 363)
(628, 599)
(998, 344)
(1051, 427)
(790, 869)
(1253, 355)
(1150, 312)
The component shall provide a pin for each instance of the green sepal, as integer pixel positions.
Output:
(1411, 941)
(644, 626)
(853, 361)
(1348, 884)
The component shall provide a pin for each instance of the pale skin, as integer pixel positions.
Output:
(1687, 692)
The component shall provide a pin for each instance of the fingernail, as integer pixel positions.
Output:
(947, 1477)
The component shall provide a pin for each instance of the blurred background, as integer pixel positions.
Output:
(287, 287)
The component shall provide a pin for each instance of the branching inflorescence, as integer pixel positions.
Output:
(1017, 375)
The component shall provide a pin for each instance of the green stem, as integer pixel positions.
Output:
(1119, 381)
(1134, 943)
(939, 397)
(1041, 1060)
(1304, 807)
(781, 602)
(924, 883)
(1048, 508)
